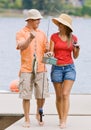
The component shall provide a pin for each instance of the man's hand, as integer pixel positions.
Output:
(32, 35)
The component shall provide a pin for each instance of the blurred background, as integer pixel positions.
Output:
(47, 7)
(12, 19)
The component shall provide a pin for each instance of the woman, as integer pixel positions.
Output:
(64, 47)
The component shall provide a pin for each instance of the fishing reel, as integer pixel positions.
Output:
(41, 114)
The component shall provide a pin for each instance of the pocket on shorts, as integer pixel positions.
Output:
(20, 86)
(72, 66)
(40, 76)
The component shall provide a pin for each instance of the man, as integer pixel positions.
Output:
(32, 44)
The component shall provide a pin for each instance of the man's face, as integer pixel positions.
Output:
(34, 23)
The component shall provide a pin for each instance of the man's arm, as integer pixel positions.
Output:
(23, 44)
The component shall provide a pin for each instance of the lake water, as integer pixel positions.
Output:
(10, 58)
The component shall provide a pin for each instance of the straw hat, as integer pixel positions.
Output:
(64, 19)
(33, 14)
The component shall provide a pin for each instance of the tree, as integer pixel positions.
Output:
(27, 4)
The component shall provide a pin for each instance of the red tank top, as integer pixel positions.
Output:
(62, 51)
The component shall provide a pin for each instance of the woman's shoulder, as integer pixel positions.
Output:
(74, 37)
(54, 35)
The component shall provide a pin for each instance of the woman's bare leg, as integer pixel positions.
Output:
(59, 101)
(67, 86)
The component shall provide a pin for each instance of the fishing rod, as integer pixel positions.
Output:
(41, 109)
(48, 28)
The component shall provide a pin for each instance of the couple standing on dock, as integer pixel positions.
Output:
(33, 45)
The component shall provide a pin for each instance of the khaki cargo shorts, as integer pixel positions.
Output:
(30, 83)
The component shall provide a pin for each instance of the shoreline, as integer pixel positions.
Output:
(22, 13)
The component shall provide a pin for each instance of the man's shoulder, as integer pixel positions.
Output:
(22, 30)
(40, 30)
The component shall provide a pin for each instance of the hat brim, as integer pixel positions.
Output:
(57, 21)
(33, 18)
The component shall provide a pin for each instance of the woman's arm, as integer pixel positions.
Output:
(76, 50)
(51, 48)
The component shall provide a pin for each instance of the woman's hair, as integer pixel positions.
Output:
(69, 35)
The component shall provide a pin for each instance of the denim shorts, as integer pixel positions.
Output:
(61, 73)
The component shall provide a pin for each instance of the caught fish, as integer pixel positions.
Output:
(34, 65)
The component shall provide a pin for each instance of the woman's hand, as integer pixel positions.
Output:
(48, 54)
(76, 45)
(76, 50)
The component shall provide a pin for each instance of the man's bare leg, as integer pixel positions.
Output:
(26, 108)
(40, 104)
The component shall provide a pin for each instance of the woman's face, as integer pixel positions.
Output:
(62, 28)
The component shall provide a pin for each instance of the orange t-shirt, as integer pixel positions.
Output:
(37, 46)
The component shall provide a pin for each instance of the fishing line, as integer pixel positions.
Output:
(44, 64)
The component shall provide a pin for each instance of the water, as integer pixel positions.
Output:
(10, 58)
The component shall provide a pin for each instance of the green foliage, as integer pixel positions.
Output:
(49, 7)
(88, 3)
(86, 10)
(18, 3)
(26, 4)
